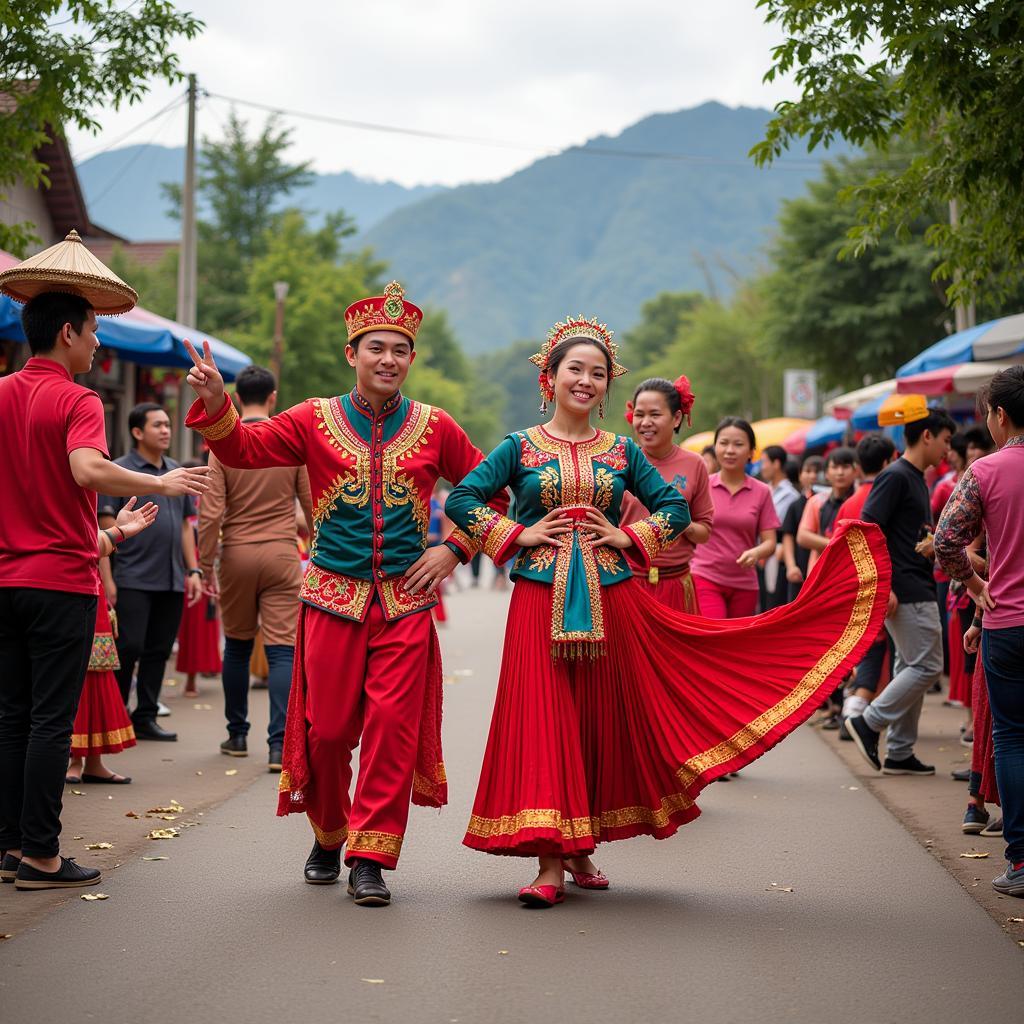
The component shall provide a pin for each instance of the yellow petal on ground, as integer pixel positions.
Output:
(502, 952)
(203, 707)
(91, 897)
(373, 981)
(163, 833)
(974, 854)
(231, 771)
(99, 846)
(172, 808)
(78, 792)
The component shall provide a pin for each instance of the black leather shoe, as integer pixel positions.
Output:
(366, 885)
(8, 867)
(68, 876)
(322, 866)
(152, 731)
(235, 746)
(274, 761)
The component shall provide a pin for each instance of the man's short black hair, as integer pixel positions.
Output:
(936, 422)
(873, 452)
(815, 462)
(137, 417)
(776, 453)
(44, 317)
(254, 385)
(958, 443)
(841, 457)
(979, 437)
(1006, 392)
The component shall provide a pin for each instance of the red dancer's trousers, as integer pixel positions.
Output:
(365, 684)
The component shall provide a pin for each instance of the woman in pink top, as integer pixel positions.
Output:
(745, 527)
(656, 413)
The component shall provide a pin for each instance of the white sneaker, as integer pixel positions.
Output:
(162, 710)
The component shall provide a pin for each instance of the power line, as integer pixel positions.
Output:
(475, 140)
(105, 147)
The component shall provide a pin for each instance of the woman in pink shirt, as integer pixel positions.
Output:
(656, 413)
(724, 569)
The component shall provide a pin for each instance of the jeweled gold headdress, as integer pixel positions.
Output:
(572, 329)
(388, 312)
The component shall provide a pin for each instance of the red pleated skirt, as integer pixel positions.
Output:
(983, 754)
(960, 683)
(589, 751)
(199, 640)
(676, 592)
(102, 725)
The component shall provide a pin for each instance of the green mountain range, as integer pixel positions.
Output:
(597, 229)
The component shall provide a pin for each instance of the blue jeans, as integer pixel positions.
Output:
(236, 686)
(1002, 652)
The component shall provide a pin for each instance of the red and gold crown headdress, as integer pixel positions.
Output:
(572, 329)
(387, 312)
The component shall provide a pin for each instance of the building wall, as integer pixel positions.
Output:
(21, 203)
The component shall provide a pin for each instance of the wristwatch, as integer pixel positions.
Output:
(195, 572)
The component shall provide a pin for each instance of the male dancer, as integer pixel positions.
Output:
(367, 666)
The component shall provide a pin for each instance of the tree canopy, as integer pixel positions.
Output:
(949, 82)
(63, 60)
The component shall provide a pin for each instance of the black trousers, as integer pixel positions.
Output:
(147, 623)
(45, 643)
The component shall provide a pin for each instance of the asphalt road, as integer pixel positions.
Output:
(700, 927)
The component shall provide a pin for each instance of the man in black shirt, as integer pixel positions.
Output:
(899, 504)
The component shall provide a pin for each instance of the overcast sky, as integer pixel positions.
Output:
(544, 73)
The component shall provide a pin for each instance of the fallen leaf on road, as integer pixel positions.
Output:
(231, 771)
(6, 935)
(581, 932)
(163, 817)
(78, 792)
(163, 833)
(502, 952)
(156, 858)
(373, 981)
(1015, 920)
(172, 808)
(203, 707)
(775, 887)
(93, 896)
(99, 846)
(974, 854)
(132, 814)
(78, 837)
(199, 773)
(854, 789)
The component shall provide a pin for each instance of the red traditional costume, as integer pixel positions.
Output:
(102, 725)
(367, 666)
(199, 636)
(613, 711)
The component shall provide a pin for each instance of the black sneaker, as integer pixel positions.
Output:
(844, 733)
(235, 746)
(275, 759)
(866, 739)
(366, 884)
(8, 867)
(68, 876)
(908, 766)
(974, 820)
(993, 829)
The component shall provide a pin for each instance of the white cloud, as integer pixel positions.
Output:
(550, 74)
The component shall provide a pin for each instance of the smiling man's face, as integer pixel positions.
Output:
(381, 360)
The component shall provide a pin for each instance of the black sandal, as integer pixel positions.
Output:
(106, 780)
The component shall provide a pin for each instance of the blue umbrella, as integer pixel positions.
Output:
(827, 430)
(140, 337)
(995, 339)
(865, 417)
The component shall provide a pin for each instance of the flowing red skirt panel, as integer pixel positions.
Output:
(588, 751)
(960, 683)
(199, 639)
(676, 592)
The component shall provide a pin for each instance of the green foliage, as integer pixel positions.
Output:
(62, 59)
(950, 82)
(157, 285)
(510, 370)
(660, 321)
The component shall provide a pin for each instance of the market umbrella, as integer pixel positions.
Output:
(776, 430)
(796, 443)
(827, 430)
(865, 417)
(698, 442)
(963, 379)
(995, 339)
(843, 406)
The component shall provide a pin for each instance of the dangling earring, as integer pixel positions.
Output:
(543, 406)
(600, 408)
(547, 392)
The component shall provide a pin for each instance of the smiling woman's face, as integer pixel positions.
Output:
(581, 380)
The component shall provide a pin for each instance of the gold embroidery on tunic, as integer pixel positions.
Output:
(604, 486)
(549, 496)
(328, 839)
(374, 842)
(220, 429)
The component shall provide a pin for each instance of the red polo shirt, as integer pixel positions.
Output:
(47, 522)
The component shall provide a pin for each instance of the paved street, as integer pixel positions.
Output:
(701, 927)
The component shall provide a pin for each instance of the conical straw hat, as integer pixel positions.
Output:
(69, 267)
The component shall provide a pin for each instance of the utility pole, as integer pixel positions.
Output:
(966, 315)
(277, 358)
(187, 265)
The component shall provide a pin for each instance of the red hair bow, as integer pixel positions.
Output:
(685, 392)
(629, 413)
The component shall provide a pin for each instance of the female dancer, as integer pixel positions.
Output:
(724, 569)
(656, 414)
(613, 712)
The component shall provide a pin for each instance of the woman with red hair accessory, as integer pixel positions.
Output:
(656, 414)
(614, 711)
